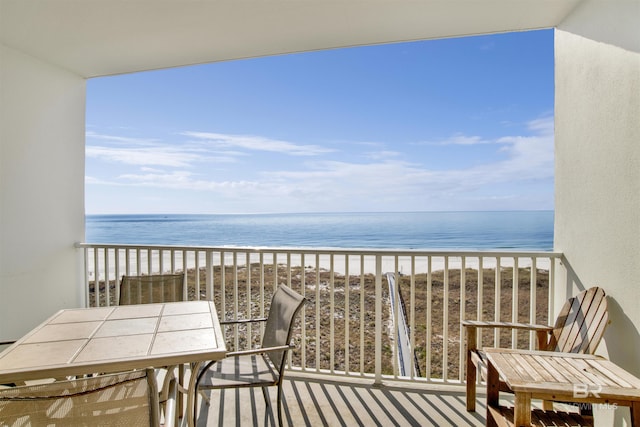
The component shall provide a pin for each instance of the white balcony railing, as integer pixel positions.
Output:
(352, 329)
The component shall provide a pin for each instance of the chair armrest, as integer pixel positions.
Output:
(506, 325)
(235, 322)
(259, 350)
(542, 331)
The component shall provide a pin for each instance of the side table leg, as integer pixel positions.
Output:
(522, 410)
(493, 393)
(471, 369)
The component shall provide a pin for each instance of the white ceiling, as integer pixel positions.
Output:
(102, 37)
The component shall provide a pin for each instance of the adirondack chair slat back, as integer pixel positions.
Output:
(581, 323)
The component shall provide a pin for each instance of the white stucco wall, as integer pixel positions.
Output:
(597, 137)
(41, 147)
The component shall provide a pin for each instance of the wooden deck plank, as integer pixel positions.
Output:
(315, 401)
(504, 417)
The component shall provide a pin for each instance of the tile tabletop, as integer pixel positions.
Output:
(110, 339)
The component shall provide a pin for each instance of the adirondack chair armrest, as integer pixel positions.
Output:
(471, 326)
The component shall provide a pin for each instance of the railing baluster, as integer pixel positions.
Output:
(463, 310)
(317, 284)
(533, 286)
(552, 276)
(209, 277)
(445, 321)
(127, 261)
(412, 319)
(378, 326)
(138, 271)
(87, 294)
(223, 287)
(428, 323)
(235, 300)
(346, 314)
(303, 314)
(332, 311)
(117, 275)
(496, 300)
(262, 282)
(196, 275)
(362, 313)
(247, 261)
(104, 264)
(107, 292)
(275, 271)
(515, 283)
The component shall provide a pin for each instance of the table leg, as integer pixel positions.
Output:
(471, 369)
(192, 395)
(522, 410)
(493, 393)
(635, 414)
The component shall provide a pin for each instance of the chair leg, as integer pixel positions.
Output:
(180, 410)
(280, 404)
(471, 384)
(266, 397)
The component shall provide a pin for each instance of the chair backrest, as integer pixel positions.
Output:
(154, 288)
(285, 306)
(581, 323)
(127, 399)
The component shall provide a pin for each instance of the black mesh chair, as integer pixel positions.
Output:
(264, 366)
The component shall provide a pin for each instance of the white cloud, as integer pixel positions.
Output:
(459, 139)
(145, 156)
(544, 125)
(381, 155)
(540, 126)
(527, 159)
(184, 180)
(384, 181)
(148, 152)
(120, 139)
(258, 143)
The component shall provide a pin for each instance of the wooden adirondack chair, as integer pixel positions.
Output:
(578, 329)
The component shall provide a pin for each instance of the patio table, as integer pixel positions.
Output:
(555, 376)
(84, 341)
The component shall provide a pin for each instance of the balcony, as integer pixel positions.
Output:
(388, 319)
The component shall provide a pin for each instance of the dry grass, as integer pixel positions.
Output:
(326, 312)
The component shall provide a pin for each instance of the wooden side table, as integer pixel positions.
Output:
(555, 376)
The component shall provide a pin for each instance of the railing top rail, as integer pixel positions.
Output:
(329, 250)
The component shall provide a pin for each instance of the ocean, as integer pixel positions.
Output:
(505, 230)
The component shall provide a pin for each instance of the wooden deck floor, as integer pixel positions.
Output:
(322, 401)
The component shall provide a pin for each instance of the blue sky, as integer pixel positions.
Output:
(439, 125)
